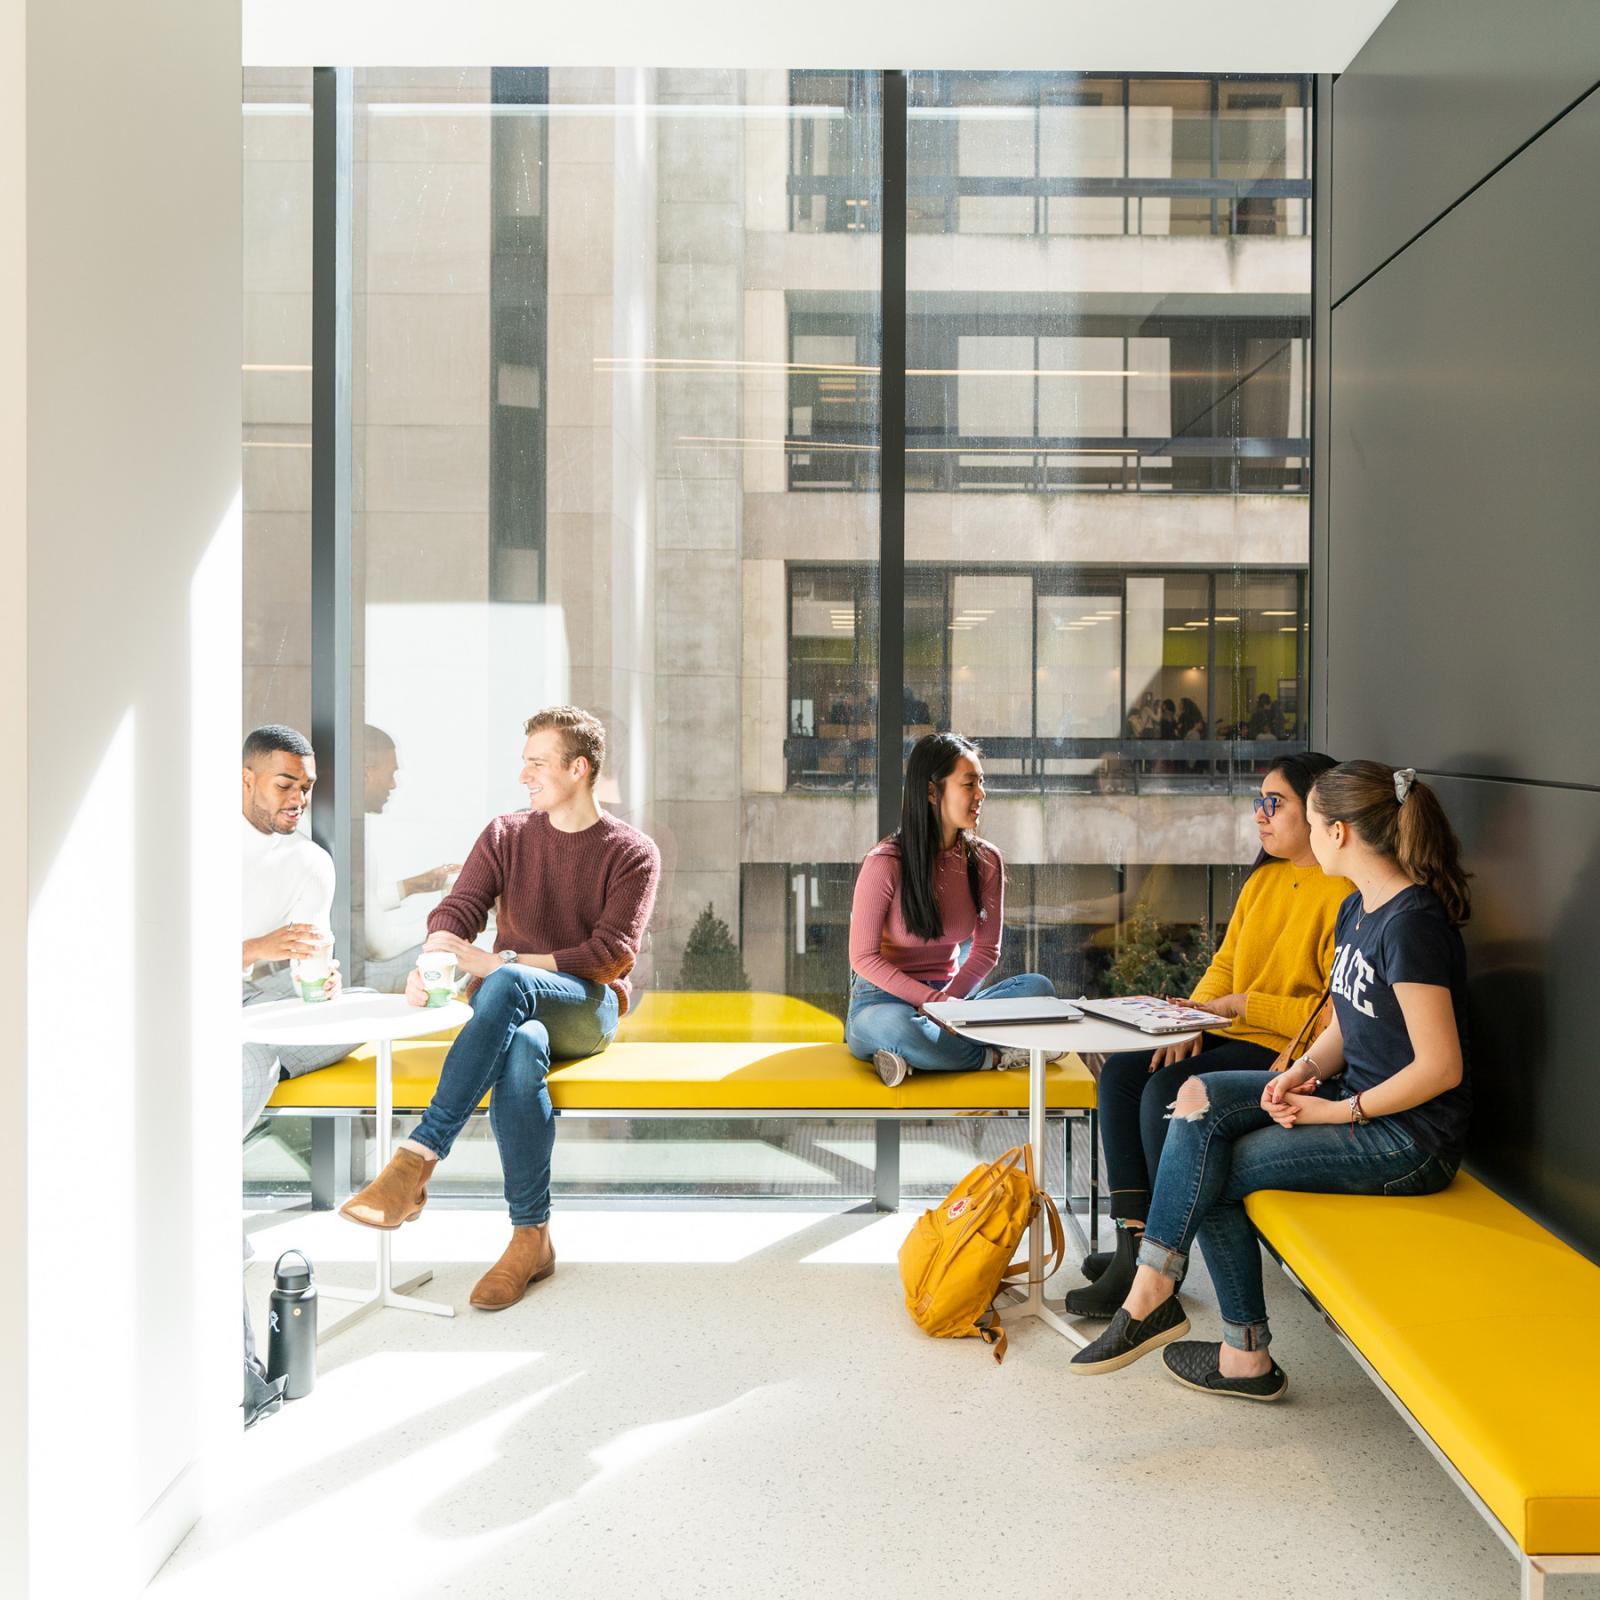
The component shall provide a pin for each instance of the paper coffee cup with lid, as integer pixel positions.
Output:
(438, 969)
(311, 973)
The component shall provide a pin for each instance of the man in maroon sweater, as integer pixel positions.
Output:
(572, 889)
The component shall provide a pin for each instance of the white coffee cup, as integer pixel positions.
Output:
(438, 969)
(311, 973)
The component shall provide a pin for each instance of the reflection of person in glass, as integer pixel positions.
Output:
(391, 929)
(572, 888)
(1270, 975)
(926, 922)
(288, 900)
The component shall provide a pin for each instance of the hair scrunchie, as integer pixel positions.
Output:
(1404, 777)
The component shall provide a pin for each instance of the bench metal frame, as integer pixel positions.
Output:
(332, 1149)
(1534, 1568)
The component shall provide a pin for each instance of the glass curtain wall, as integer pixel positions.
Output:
(276, 396)
(1107, 523)
(574, 435)
(615, 355)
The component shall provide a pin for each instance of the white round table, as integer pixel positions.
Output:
(1043, 1041)
(352, 1019)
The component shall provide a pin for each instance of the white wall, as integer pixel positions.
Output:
(13, 795)
(123, 1307)
(1070, 35)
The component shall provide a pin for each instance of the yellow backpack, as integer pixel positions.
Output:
(958, 1257)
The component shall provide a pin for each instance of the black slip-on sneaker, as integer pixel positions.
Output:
(1126, 1340)
(891, 1067)
(1195, 1364)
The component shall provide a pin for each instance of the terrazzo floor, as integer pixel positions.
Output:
(729, 1400)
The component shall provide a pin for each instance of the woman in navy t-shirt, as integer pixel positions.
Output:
(1378, 1105)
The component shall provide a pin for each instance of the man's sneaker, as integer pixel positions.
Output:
(1195, 1364)
(1126, 1340)
(891, 1067)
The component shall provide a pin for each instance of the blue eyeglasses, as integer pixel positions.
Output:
(1267, 802)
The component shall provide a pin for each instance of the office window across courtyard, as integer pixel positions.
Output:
(1017, 392)
(1071, 154)
(1057, 670)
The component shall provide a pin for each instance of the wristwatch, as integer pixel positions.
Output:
(508, 958)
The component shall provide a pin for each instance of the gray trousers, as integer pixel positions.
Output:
(265, 1064)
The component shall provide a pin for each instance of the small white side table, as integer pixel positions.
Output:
(1043, 1041)
(379, 1019)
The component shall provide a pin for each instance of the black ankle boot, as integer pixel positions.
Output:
(1095, 1263)
(1102, 1297)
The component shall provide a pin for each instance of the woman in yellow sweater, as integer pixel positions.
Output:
(1270, 974)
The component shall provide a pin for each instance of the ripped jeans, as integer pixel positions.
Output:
(1133, 1111)
(1228, 1147)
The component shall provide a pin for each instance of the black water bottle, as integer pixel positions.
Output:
(292, 1341)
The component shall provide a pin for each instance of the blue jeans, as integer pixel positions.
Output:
(1215, 1157)
(878, 1020)
(522, 1019)
(1133, 1111)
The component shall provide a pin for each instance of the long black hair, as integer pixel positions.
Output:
(933, 758)
(1299, 772)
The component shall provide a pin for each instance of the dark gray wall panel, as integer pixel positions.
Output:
(1464, 546)
(1321, 344)
(1441, 93)
(1533, 945)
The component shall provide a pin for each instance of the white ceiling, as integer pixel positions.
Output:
(1004, 35)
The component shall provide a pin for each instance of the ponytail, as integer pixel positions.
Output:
(1427, 849)
(1399, 816)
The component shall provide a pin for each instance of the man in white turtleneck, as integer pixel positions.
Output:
(288, 898)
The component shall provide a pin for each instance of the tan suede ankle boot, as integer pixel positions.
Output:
(396, 1195)
(529, 1258)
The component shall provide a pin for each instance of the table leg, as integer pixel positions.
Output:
(386, 1292)
(390, 1292)
(1035, 1305)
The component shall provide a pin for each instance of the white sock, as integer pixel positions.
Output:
(419, 1149)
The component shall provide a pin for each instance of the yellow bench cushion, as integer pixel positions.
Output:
(824, 1077)
(1428, 1290)
(705, 1077)
(680, 1017)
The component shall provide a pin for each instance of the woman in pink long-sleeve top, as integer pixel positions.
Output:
(927, 920)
